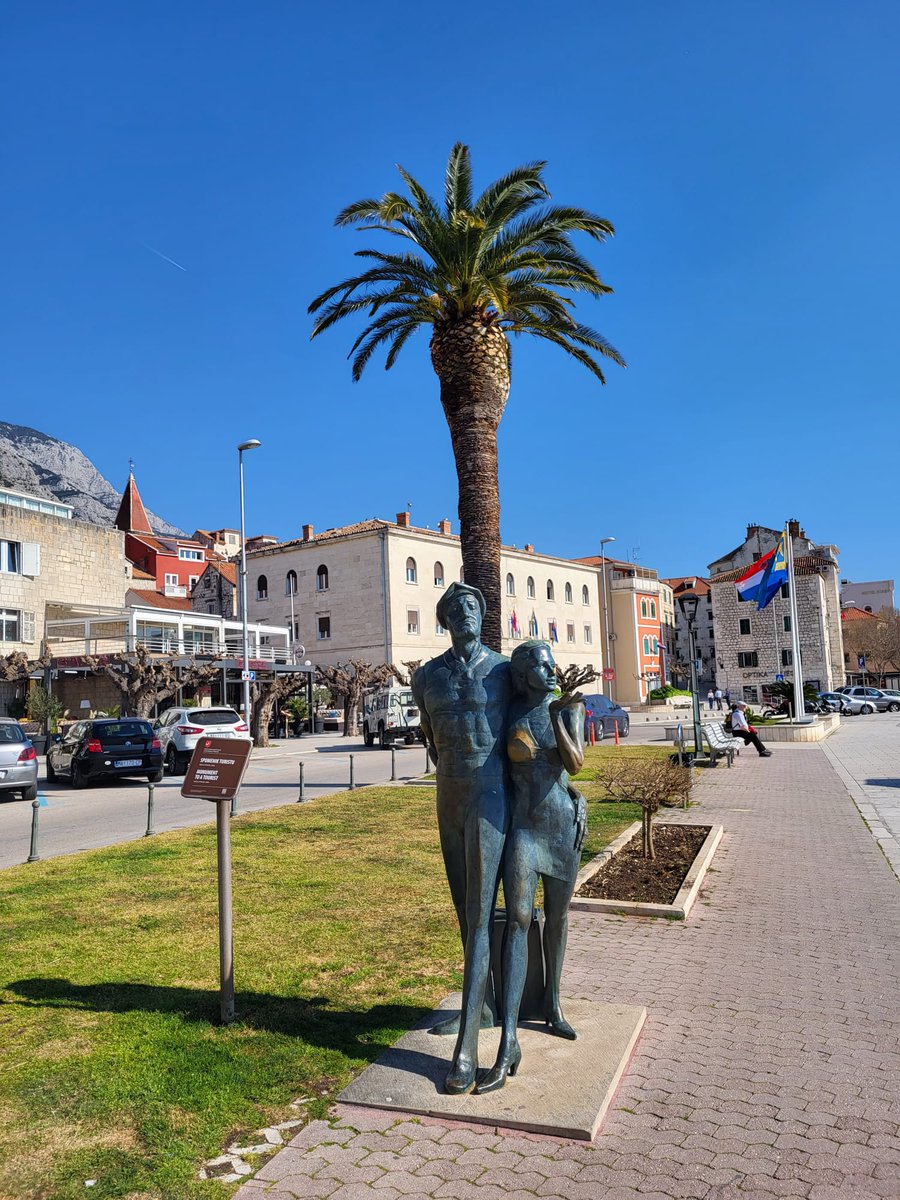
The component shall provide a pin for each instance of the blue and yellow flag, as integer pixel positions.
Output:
(775, 577)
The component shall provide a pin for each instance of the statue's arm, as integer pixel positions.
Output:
(567, 715)
(418, 691)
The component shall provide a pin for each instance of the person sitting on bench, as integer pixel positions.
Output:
(740, 727)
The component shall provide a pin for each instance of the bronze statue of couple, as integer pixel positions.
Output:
(502, 748)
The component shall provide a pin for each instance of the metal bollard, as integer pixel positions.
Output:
(233, 810)
(150, 830)
(352, 784)
(427, 760)
(301, 797)
(33, 855)
(393, 764)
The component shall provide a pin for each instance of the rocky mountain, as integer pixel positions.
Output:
(44, 466)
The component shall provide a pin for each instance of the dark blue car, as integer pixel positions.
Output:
(604, 713)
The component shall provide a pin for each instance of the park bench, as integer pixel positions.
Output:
(721, 742)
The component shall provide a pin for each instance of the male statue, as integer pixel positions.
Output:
(463, 696)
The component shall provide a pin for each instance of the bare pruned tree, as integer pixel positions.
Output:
(648, 782)
(17, 667)
(348, 681)
(264, 697)
(570, 679)
(145, 681)
(877, 638)
(405, 677)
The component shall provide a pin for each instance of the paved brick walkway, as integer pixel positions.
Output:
(769, 1065)
(866, 759)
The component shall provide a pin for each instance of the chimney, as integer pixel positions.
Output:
(308, 535)
(444, 526)
(529, 549)
(794, 529)
(403, 520)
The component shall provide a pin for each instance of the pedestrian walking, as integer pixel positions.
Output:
(710, 698)
(719, 699)
(727, 697)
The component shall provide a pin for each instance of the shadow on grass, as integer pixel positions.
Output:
(358, 1033)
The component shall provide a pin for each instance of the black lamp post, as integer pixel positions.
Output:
(688, 606)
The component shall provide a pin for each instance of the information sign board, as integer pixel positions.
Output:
(216, 768)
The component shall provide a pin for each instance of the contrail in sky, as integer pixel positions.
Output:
(164, 257)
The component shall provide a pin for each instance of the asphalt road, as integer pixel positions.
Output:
(71, 821)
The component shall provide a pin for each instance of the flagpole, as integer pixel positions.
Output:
(799, 706)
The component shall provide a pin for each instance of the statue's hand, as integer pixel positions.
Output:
(580, 817)
(567, 700)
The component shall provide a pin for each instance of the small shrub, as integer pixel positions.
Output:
(649, 783)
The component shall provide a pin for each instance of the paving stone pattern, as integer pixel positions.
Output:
(865, 757)
(769, 1065)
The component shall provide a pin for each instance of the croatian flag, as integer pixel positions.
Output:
(775, 577)
(748, 583)
(554, 636)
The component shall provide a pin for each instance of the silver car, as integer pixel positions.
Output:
(875, 698)
(845, 705)
(179, 730)
(18, 761)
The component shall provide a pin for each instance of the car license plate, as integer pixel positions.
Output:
(127, 762)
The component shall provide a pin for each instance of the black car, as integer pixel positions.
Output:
(92, 750)
(604, 714)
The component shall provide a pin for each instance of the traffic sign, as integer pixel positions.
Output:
(779, 679)
(248, 676)
(216, 768)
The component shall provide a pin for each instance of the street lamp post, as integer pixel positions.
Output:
(688, 605)
(245, 636)
(604, 542)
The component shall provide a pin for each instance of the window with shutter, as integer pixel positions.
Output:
(27, 626)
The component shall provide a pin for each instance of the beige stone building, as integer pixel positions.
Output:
(369, 591)
(48, 561)
(753, 647)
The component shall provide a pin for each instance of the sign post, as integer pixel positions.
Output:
(215, 772)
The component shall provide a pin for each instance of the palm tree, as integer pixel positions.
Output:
(480, 269)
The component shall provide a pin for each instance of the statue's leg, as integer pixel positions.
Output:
(519, 886)
(557, 894)
(485, 835)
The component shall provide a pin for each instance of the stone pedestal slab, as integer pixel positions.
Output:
(562, 1088)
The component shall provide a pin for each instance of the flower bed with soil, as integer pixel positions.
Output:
(621, 880)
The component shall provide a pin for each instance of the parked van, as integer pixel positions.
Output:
(390, 715)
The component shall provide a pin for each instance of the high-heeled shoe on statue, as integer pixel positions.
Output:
(506, 1064)
(560, 1026)
(461, 1078)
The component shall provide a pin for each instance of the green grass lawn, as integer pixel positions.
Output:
(114, 1068)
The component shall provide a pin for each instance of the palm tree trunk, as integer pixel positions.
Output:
(471, 359)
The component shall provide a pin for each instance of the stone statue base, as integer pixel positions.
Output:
(562, 1088)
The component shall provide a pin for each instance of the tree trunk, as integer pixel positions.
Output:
(471, 359)
(261, 715)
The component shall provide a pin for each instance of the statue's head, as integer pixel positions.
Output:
(461, 610)
(533, 668)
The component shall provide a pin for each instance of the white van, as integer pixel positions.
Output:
(390, 715)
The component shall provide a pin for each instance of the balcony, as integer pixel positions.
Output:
(176, 634)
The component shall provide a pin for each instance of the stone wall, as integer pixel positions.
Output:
(80, 563)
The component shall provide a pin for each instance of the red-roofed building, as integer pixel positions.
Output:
(175, 563)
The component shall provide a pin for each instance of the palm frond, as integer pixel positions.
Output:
(458, 181)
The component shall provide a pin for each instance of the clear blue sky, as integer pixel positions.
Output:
(748, 155)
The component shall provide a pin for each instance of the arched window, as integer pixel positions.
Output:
(290, 583)
(656, 645)
(585, 595)
(411, 572)
(510, 585)
(529, 588)
(550, 593)
(438, 574)
(646, 644)
(568, 593)
(262, 588)
(322, 579)
(643, 608)
(652, 608)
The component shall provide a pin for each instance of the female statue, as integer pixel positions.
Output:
(545, 741)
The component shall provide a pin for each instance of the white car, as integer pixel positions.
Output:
(179, 730)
